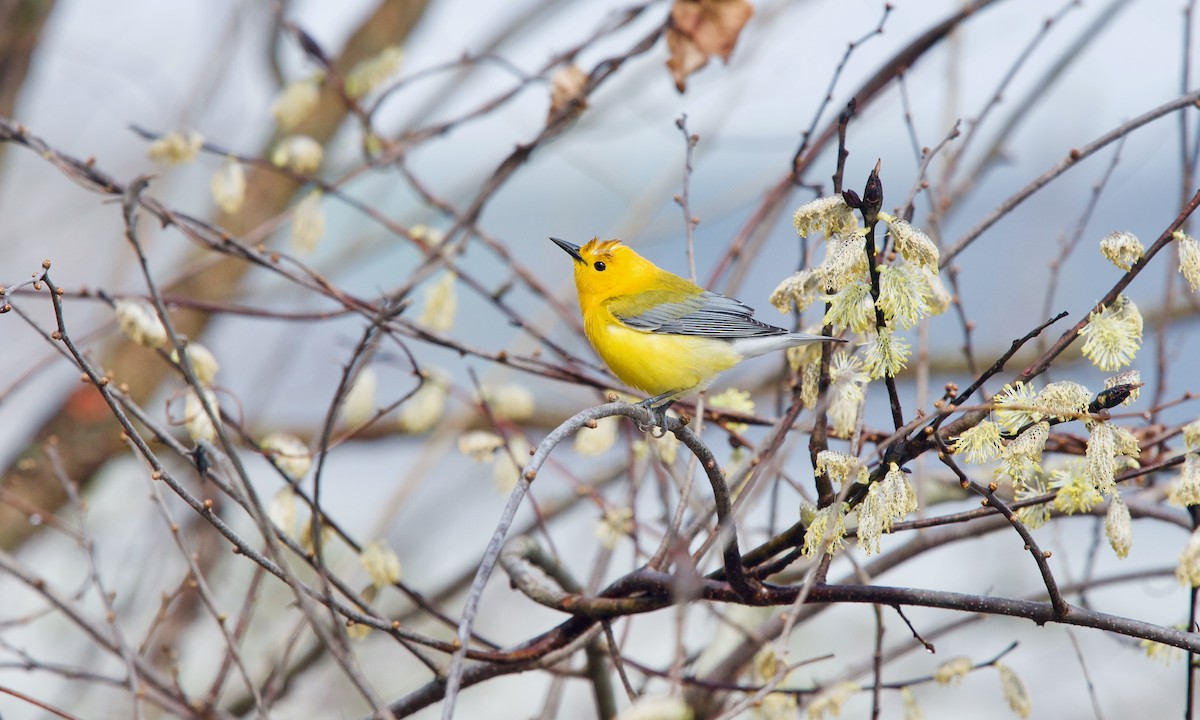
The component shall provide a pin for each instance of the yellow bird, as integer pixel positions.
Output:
(660, 333)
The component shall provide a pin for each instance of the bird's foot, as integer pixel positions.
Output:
(658, 416)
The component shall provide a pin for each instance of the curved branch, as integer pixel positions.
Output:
(643, 416)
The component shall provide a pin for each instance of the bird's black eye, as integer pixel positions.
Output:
(599, 266)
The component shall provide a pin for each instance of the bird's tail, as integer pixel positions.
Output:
(762, 344)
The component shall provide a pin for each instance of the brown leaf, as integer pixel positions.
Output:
(567, 85)
(700, 29)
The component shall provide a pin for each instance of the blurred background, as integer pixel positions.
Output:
(434, 152)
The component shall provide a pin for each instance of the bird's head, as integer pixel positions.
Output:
(608, 268)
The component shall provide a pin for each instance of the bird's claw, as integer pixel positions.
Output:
(658, 419)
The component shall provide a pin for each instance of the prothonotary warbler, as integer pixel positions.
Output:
(660, 333)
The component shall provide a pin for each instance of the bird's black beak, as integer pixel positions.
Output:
(572, 250)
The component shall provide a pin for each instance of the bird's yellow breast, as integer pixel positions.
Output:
(657, 363)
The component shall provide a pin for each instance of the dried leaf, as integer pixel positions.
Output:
(567, 85)
(700, 29)
(685, 59)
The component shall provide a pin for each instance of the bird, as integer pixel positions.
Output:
(660, 333)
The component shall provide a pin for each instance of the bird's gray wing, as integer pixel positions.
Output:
(707, 314)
